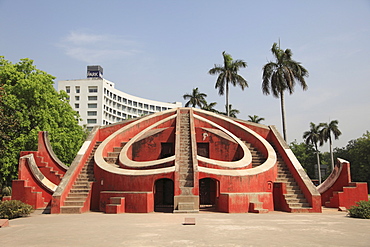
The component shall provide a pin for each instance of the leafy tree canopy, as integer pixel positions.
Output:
(305, 153)
(255, 119)
(357, 152)
(29, 103)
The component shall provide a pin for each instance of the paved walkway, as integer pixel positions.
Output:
(331, 228)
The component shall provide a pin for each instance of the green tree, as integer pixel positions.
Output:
(228, 73)
(196, 98)
(29, 104)
(255, 119)
(326, 133)
(314, 137)
(281, 76)
(232, 112)
(305, 154)
(357, 152)
(210, 107)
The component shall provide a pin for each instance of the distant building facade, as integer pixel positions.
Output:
(99, 103)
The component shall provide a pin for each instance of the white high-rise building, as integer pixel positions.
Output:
(99, 103)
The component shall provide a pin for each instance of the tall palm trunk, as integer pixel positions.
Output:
(331, 154)
(227, 99)
(318, 163)
(283, 114)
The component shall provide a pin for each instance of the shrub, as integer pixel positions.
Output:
(6, 191)
(361, 210)
(14, 209)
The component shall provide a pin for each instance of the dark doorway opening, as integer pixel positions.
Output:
(208, 193)
(163, 195)
(203, 149)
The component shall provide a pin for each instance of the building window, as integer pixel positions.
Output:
(158, 108)
(93, 97)
(77, 98)
(91, 121)
(124, 100)
(92, 105)
(77, 89)
(89, 128)
(92, 113)
(93, 89)
(146, 106)
(130, 102)
(152, 107)
(77, 105)
(135, 104)
(68, 89)
(141, 105)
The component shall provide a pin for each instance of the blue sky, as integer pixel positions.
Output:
(163, 49)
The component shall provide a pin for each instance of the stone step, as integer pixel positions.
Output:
(298, 205)
(113, 154)
(294, 196)
(117, 149)
(73, 191)
(186, 176)
(290, 187)
(74, 203)
(185, 206)
(85, 186)
(187, 191)
(111, 160)
(70, 210)
(76, 197)
(186, 183)
(186, 169)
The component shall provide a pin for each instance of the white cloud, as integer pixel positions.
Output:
(96, 48)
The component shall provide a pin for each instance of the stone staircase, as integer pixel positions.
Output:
(335, 198)
(294, 198)
(81, 188)
(186, 201)
(112, 158)
(257, 157)
(47, 171)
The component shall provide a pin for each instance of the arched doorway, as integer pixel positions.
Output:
(163, 195)
(208, 193)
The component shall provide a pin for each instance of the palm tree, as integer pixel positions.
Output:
(313, 136)
(228, 73)
(210, 107)
(255, 118)
(232, 112)
(196, 98)
(326, 131)
(280, 76)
